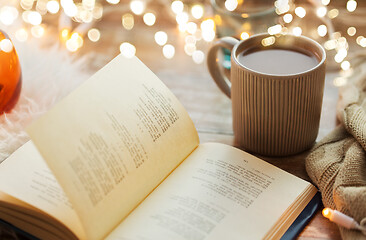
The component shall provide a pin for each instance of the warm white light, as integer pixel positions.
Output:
(97, 12)
(128, 21)
(198, 57)
(197, 11)
(208, 25)
(94, 35)
(53, 6)
(345, 65)
(321, 11)
(268, 41)
(177, 7)
(76, 37)
(297, 31)
(351, 5)
(8, 15)
(189, 49)
(6, 45)
(191, 27)
(149, 19)
(300, 12)
(287, 18)
(231, 5)
(21, 35)
(282, 6)
(330, 44)
(208, 36)
(363, 42)
(322, 30)
(333, 13)
(34, 18)
(244, 35)
(182, 18)
(190, 39)
(358, 39)
(325, 2)
(182, 27)
(340, 81)
(168, 51)
(275, 29)
(127, 49)
(37, 31)
(341, 54)
(161, 38)
(69, 7)
(113, 1)
(137, 7)
(351, 31)
(71, 45)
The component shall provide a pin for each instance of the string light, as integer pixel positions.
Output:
(137, 7)
(287, 18)
(197, 11)
(321, 11)
(244, 35)
(345, 65)
(94, 35)
(128, 21)
(275, 29)
(333, 13)
(351, 5)
(149, 19)
(161, 38)
(37, 31)
(53, 6)
(127, 49)
(190, 39)
(351, 31)
(231, 5)
(325, 2)
(177, 7)
(191, 27)
(198, 56)
(113, 1)
(189, 49)
(182, 18)
(268, 41)
(300, 12)
(21, 35)
(8, 15)
(168, 51)
(297, 31)
(322, 30)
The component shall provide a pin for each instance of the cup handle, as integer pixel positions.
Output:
(212, 63)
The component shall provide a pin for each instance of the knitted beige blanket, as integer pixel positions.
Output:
(337, 164)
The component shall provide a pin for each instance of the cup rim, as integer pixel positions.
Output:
(240, 15)
(264, 35)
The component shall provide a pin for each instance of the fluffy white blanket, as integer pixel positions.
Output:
(48, 74)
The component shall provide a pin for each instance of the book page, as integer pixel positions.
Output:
(113, 140)
(25, 176)
(218, 190)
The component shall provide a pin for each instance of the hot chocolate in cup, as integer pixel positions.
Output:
(276, 86)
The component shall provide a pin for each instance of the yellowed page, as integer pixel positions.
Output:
(113, 140)
(218, 192)
(25, 176)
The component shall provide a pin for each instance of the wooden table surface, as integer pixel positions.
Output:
(209, 108)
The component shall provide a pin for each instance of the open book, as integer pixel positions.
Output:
(119, 158)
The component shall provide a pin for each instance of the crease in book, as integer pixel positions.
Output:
(90, 172)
